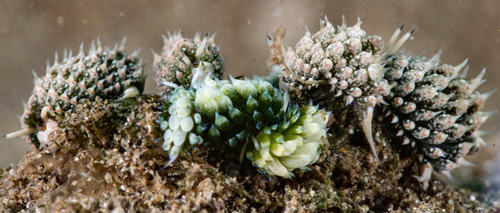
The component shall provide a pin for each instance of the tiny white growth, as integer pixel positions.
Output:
(166, 146)
(21, 132)
(174, 121)
(286, 100)
(44, 113)
(130, 93)
(193, 139)
(43, 136)
(201, 48)
(187, 124)
(169, 84)
(394, 46)
(179, 137)
(184, 111)
(175, 151)
(168, 136)
(460, 66)
(202, 74)
(197, 118)
(394, 37)
(426, 175)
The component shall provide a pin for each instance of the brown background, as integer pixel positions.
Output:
(32, 31)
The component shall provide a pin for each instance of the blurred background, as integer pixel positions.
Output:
(32, 31)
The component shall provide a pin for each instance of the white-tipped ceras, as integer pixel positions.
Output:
(102, 72)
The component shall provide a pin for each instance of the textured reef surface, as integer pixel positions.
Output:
(112, 162)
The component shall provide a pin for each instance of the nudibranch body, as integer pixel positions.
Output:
(338, 65)
(295, 143)
(183, 61)
(102, 72)
(237, 113)
(436, 110)
(429, 106)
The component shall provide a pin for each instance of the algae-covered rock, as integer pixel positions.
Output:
(106, 157)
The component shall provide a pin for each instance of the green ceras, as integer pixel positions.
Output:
(219, 111)
(242, 111)
(295, 142)
(180, 122)
(233, 110)
(252, 111)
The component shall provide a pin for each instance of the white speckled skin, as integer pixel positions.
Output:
(103, 72)
(182, 59)
(338, 64)
(344, 57)
(439, 114)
